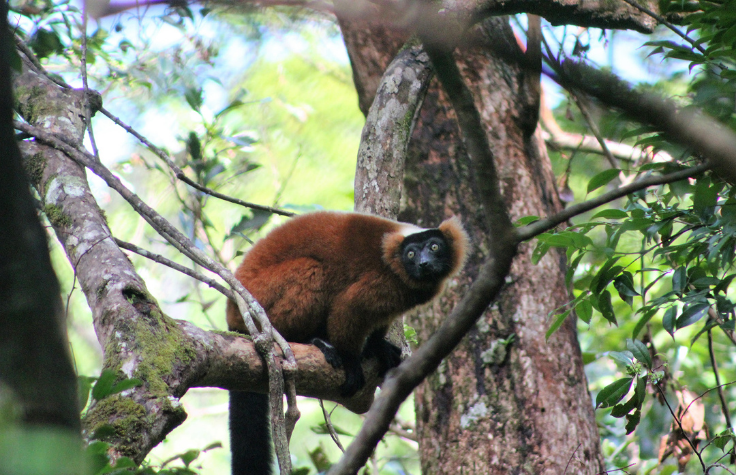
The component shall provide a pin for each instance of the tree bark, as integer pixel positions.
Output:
(506, 401)
(35, 365)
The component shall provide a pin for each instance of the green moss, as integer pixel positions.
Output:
(35, 165)
(57, 216)
(161, 348)
(232, 334)
(404, 126)
(124, 416)
(411, 42)
(33, 104)
(161, 343)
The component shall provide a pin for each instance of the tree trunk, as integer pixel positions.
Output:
(505, 401)
(35, 365)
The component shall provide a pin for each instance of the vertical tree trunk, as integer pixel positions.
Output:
(35, 368)
(505, 401)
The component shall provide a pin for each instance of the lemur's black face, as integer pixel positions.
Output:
(426, 256)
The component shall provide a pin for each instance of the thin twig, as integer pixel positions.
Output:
(177, 267)
(684, 434)
(596, 131)
(399, 431)
(181, 176)
(620, 469)
(571, 457)
(714, 315)
(720, 465)
(538, 227)
(724, 404)
(669, 25)
(87, 108)
(330, 427)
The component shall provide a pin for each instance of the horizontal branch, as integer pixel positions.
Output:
(230, 361)
(538, 227)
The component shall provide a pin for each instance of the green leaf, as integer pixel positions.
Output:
(572, 267)
(691, 314)
(640, 352)
(611, 214)
(254, 222)
(104, 384)
(679, 279)
(189, 456)
(633, 421)
(624, 357)
(640, 392)
(602, 179)
(605, 307)
(45, 42)
(557, 239)
(708, 326)
(126, 384)
(556, 324)
(84, 385)
(103, 431)
(584, 310)
(194, 97)
(194, 146)
(723, 438)
(624, 284)
(723, 285)
(526, 220)
(410, 334)
(620, 410)
(613, 393)
(539, 252)
(605, 275)
(213, 445)
(705, 197)
(124, 462)
(668, 321)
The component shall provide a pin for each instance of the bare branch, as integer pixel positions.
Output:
(688, 128)
(557, 138)
(178, 267)
(662, 20)
(330, 427)
(596, 132)
(719, 386)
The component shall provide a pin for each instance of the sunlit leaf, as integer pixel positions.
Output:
(613, 393)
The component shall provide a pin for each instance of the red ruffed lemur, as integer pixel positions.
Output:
(336, 280)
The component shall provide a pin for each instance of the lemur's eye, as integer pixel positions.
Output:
(435, 247)
(410, 254)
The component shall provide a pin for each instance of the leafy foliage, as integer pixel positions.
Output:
(656, 271)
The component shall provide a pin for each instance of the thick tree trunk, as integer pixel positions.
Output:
(505, 401)
(35, 365)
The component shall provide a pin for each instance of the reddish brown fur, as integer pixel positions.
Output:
(336, 276)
